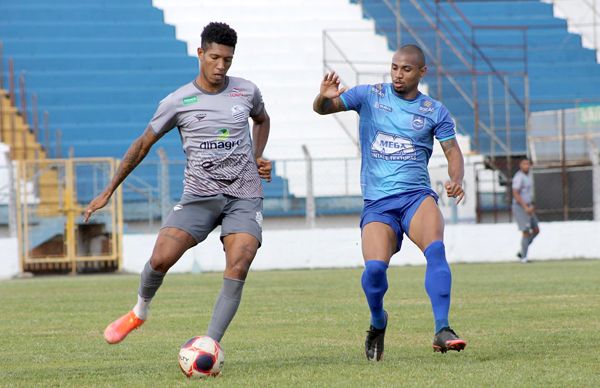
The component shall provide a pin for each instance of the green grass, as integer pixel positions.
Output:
(527, 325)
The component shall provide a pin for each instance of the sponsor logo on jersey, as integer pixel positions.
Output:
(177, 207)
(418, 122)
(219, 145)
(383, 107)
(378, 89)
(426, 106)
(200, 116)
(223, 133)
(237, 92)
(392, 147)
(190, 100)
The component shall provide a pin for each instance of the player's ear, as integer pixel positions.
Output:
(423, 70)
(200, 52)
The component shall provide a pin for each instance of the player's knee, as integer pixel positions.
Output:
(238, 270)
(374, 275)
(375, 268)
(160, 263)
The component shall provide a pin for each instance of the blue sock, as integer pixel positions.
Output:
(438, 282)
(374, 283)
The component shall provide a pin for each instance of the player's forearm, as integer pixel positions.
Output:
(456, 165)
(322, 105)
(134, 155)
(260, 136)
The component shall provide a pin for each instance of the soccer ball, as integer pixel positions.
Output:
(201, 357)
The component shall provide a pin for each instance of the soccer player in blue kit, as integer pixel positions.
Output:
(397, 127)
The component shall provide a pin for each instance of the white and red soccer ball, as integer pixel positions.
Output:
(201, 357)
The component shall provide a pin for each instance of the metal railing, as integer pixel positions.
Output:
(460, 41)
(17, 92)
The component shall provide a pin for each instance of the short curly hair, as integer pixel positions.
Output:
(219, 33)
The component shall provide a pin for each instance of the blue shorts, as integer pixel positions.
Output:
(395, 210)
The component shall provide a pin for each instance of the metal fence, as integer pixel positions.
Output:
(565, 149)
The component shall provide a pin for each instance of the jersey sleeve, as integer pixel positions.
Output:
(517, 181)
(354, 97)
(258, 105)
(445, 127)
(164, 118)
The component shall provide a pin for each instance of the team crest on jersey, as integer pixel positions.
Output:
(418, 122)
(426, 106)
(200, 116)
(239, 113)
(378, 89)
(392, 147)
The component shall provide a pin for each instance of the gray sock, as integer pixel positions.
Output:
(150, 281)
(524, 245)
(225, 307)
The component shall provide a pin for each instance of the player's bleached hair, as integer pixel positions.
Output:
(414, 49)
(219, 33)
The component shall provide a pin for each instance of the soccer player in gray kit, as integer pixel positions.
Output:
(522, 207)
(221, 180)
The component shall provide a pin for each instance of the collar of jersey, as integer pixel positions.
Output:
(213, 93)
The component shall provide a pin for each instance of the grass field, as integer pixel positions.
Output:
(527, 325)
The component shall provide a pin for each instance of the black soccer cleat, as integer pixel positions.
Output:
(374, 342)
(446, 339)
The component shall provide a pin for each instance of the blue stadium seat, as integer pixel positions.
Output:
(514, 36)
(100, 67)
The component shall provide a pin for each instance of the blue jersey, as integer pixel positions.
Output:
(396, 138)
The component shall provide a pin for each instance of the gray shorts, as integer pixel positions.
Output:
(525, 221)
(201, 215)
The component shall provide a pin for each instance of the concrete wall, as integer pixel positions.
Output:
(340, 247)
(9, 260)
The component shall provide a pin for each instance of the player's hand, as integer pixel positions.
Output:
(454, 190)
(530, 209)
(330, 86)
(97, 203)
(264, 168)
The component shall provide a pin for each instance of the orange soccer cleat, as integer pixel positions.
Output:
(118, 330)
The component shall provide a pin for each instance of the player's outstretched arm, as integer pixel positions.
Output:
(328, 100)
(135, 154)
(260, 135)
(456, 169)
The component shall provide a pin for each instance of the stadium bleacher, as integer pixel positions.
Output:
(517, 37)
(100, 68)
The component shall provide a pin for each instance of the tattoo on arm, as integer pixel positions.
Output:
(325, 106)
(448, 144)
(134, 155)
(456, 167)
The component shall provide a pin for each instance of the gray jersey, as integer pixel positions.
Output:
(215, 134)
(524, 185)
